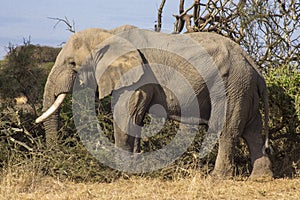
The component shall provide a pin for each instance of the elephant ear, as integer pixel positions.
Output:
(118, 64)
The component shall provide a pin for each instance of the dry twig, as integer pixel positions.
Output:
(70, 27)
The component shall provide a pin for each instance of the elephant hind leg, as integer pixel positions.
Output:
(225, 159)
(260, 162)
(224, 165)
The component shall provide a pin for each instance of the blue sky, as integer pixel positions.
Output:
(21, 19)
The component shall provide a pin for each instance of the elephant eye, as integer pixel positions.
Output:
(72, 63)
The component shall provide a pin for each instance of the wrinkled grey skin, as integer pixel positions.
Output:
(244, 86)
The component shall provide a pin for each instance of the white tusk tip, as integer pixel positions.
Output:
(38, 120)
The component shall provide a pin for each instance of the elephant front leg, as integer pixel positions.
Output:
(126, 149)
(124, 140)
(138, 105)
(128, 143)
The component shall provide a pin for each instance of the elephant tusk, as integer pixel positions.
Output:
(52, 109)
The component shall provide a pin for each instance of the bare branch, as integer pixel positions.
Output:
(183, 17)
(196, 12)
(70, 27)
(21, 144)
(181, 6)
(179, 23)
(187, 19)
(160, 10)
(187, 10)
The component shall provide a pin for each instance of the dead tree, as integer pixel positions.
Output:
(268, 30)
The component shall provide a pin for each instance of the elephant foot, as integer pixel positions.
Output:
(262, 169)
(129, 162)
(222, 174)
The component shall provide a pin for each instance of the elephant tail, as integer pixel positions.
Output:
(264, 95)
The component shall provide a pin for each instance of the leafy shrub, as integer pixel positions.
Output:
(284, 97)
(24, 72)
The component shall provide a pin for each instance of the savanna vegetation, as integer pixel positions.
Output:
(29, 170)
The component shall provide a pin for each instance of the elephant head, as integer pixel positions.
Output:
(69, 61)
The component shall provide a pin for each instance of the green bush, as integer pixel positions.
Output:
(284, 97)
(24, 72)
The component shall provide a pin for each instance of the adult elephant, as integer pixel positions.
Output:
(194, 78)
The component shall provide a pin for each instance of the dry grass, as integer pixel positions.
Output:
(32, 186)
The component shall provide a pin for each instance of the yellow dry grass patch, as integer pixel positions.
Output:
(196, 187)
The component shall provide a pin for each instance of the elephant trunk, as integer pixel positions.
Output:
(57, 86)
(51, 128)
(50, 121)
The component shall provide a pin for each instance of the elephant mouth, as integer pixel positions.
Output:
(60, 98)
